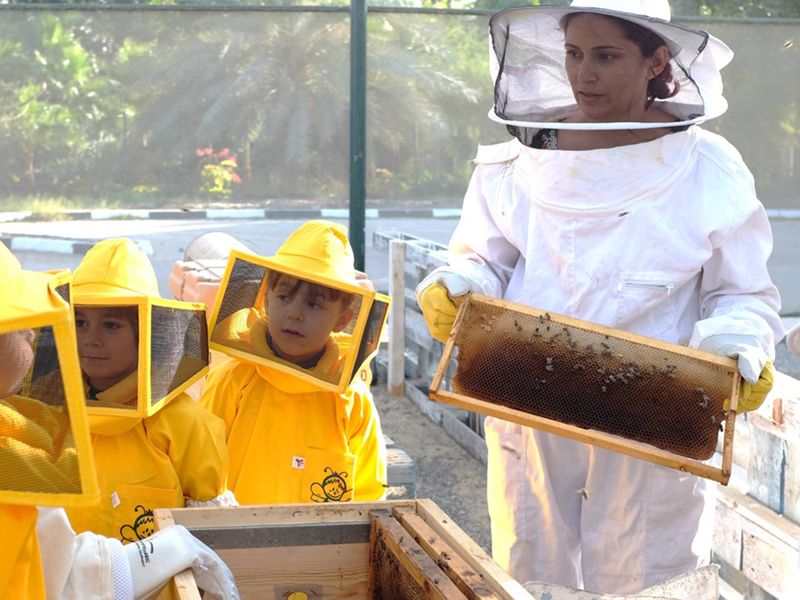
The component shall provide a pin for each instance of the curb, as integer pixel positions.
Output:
(33, 243)
(240, 213)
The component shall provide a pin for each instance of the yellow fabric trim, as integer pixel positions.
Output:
(123, 393)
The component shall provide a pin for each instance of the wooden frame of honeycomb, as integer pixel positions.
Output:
(657, 401)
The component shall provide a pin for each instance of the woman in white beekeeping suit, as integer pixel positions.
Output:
(611, 205)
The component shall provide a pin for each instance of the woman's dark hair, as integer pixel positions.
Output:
(648, 42)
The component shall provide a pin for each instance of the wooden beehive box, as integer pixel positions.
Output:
(396, 549)
(657, 401)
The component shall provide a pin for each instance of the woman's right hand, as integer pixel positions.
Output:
(439, 296)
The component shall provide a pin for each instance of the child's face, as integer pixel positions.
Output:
(16, 355)
(300, 320)
(107, 345)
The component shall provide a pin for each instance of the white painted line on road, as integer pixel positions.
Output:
(234, 213)
(446, 213)
(334, 213)
(783, 213)
(113, 213)
(42, 244)
(14, 216)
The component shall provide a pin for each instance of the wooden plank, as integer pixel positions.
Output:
(727, 538)
(410, 558)
(589, 436)
(400, 467)
(475, 556)
(770, 564)
(397, 343)
(756, 515)
(277, 514)
(441, 369)
(417, 330)
(765, 477)
(791, 490)
(330, 572)
(182, 586)
(471, 584)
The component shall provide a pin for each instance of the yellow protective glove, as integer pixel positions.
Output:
(439, 296)
(438, 309)
(755, 367)
(752, 395)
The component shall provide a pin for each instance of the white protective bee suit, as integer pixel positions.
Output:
(662, 238)
(665, 239)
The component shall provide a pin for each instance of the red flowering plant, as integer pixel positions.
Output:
(218, 174)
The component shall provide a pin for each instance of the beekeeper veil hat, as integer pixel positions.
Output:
(45, 450)
(116, 279)
(316, 261)
(531, 87)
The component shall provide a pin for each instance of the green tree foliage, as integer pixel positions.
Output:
(101, 102)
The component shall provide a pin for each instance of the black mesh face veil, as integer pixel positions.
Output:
(178, 349)
(316, 328)
(37, 445)
(139, 353)
(532, 90)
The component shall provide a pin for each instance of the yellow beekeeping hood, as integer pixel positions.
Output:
(116, 275)
(317, 256)
(45, 451)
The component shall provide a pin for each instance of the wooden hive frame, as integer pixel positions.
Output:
(641, 450)
(324, 550)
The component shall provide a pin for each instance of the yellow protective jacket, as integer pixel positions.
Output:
(36, 453)
(289, 441)
(150, 463)
(20, 562)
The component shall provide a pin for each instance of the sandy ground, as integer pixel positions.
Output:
(446, 473)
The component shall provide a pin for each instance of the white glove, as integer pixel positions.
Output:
(455, 283)
(745, 348)
(155, 559)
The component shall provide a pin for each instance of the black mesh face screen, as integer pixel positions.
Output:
(179, 348)
(579, 375)
(242, 289)
(38, 448)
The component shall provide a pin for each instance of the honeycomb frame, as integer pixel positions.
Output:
(529, 366)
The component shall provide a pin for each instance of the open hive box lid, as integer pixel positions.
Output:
(650, 399)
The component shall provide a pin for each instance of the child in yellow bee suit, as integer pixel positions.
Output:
(289, 439)
(45, 462)
(173, 458)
